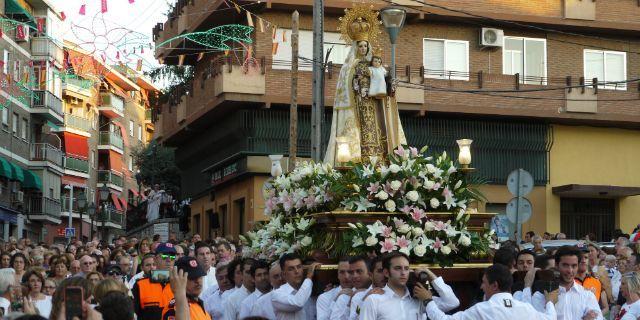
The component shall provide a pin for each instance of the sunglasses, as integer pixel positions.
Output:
(168, 256)
(114, 273)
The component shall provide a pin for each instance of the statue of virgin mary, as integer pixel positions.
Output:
(369, 124)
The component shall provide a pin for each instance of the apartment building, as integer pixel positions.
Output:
(563, 106)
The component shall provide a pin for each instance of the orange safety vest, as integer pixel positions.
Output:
(592, 284)
(196, 311)
(153, 295)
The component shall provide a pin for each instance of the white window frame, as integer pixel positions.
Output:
(622, 86)
(524, 58)
(14, 124)
(140, 132)
(131, 163)
(444, 76)
(5, 115)
(93, 159)
(6, 57)
(24, 127)
(305, 39)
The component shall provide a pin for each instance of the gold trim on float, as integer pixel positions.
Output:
(480, 265)
(380, 213)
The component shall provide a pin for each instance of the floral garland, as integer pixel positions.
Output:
(277, 237)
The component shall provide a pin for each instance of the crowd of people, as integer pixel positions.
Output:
(192, 279)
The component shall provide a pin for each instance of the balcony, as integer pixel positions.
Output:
(44, 48)
(46, 153)
(48, 105)
(110, 218)
(148, 116)
(76, 164)
(110, 140)
(77, 123)
(78, 85)
(111, 178)
(112, 105)
(43, 209)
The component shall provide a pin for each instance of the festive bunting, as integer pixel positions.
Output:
(139, 65)
(218, 37)
(274, 49)
(63, 16)
(103, 8)
(83, 10)
(200, 56)
(20, 32)
(41, 22)
(131, 1)
(261, 24)
(180, 59)
(249, 19)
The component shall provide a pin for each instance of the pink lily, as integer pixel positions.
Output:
(388, 245)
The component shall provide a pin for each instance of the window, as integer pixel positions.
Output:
(526, 57)
(131, 128)
(607, 66)
(446, 59)
(140, 132)
(5, 58)
(14, 124)
(130, 163)
(282, 57)
(23, 128)
(5, 115)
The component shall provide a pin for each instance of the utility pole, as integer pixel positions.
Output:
(317, 108)
(293, 110)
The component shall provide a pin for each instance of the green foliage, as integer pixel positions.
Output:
(157, 165)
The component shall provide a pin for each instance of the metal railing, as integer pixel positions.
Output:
(76, 122)
(108, 176)
(43, 206)
(65, 204)
(76, 164)
(46, 152)
(148, 114)
(110, 100)
(46, 99)
(44, 46)
(111, 215)
(110, 138)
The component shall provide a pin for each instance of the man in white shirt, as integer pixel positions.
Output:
(214, 304)
(260, 274)
(499, 303)
(327, 299)
(292, 301)
(360, 273)
(208, 261)
(232, 304)
(263, 306)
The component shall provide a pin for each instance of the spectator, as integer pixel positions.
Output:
(292, 299)
(630, 289)
(525, 260)
(19, 263)
(538, 249)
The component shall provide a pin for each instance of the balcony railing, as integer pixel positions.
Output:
(110, 100)
(46, 152)
(65, 204)
(148, 115)
(110, 138)
(43, 206)
(46, 99)
(108, 176)
(111, 215)
(44, 46)
(76, 164)
(76, 122)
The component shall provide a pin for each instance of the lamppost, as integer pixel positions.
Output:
(139, 182)
(82, 205)
(104, 195)
(70, 188)
(91, 211)
(393, 20)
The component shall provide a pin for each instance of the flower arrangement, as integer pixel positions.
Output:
(278, 236)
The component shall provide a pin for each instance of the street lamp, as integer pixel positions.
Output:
(91, 210)
(104, 195)
(70, 188)
(139, 182)
(82, 203)
(393, 20)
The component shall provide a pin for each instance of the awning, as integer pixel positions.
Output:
(597, 191)
(8, 215)
(5, 169)
(53, 125)
(13, 7)
(124, 204)
(16, 172)
(74, 181)
(76, 145)
(123, 132)
(115, 161)
(31, 180)
(116, 202)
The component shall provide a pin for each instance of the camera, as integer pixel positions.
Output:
(423, 278)
(159, 276)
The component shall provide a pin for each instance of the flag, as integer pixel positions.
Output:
(20, 32)
(260, 24)
(83, 10)
(237, 7)
(249, 19)
(180, 59)
(104, 6)
(41, 22)
(200, 56)
(63, 16)
(274, 49)
(139, 65)
(132, 1)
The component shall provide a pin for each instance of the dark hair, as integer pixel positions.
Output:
(288, 257)
(501, 274)
(364, 259)
(386, 261)
(568, 251)
(505, 257)
(32, 272)
(198, 245)
(24, 258)
(531, 233)
(542, 261)
(156, 237)
(344, 259)
(116, 306)
(58, 297)
(375, 261)
(224, 243)
(232, 269)
(523, 252)
(259, 264)
(147, 256)
(248, 261)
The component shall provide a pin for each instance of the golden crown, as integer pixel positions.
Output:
(360, 23)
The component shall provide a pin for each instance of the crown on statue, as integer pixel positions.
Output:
(359, 30)
(360, 23)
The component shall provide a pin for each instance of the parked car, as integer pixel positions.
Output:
(555, 244)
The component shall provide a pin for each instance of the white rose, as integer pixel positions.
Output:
(417, 232)
(434, 203)
(464, 240)
(405, 228)
(395, 184)
(445, 250)
(390, 206)
(394, 168)
(305, 241)
(382, 195)
(420, 250)
(429, 226)
(413, 195)
(371, 241)
(429, 184)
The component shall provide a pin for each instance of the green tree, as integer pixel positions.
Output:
(157, 165)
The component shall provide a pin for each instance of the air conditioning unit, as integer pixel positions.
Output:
(19, 196)
(491, 37)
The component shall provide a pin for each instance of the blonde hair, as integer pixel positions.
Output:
(633, 282)
(108, 285)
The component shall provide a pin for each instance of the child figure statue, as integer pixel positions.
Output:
(378, 85)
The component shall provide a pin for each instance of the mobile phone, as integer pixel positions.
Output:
(73, 302)
(159, 276)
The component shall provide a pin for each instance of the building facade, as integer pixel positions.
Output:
(547, 86)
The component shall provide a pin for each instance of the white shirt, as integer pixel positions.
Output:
(292, 304)
(390, 306)
(43, 306)
(324, 303)
(616, 280)
(135, 278)
(214, 304)
(247, 304)
(501, 306)
(264, 307)
(631, 311)
(572, 304)
(340, 308)
(209, 281)
(232, 303)
(4, 306)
